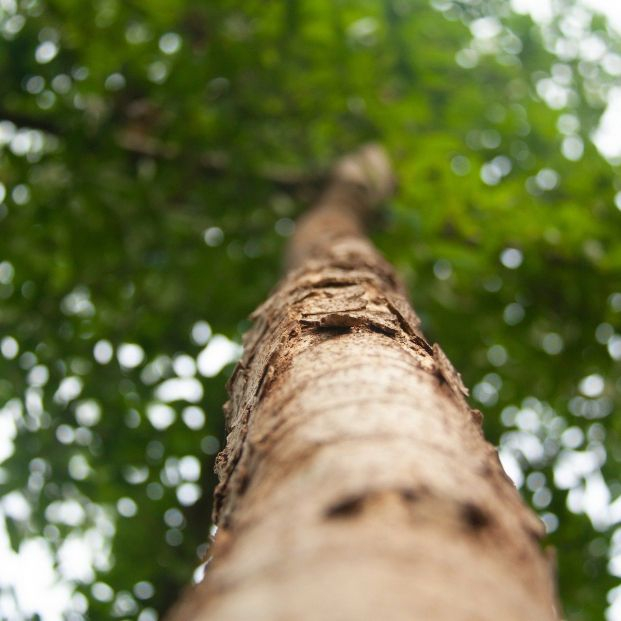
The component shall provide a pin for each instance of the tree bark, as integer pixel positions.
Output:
(356, 483)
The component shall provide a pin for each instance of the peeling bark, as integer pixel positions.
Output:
(356, 483)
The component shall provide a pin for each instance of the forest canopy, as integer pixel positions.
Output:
(153, 158)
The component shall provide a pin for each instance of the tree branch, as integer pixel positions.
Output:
(212, 162)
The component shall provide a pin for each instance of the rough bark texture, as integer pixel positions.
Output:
(356, 483)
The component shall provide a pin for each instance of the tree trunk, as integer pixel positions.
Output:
(356, 483)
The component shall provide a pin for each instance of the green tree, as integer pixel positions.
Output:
(154, 156)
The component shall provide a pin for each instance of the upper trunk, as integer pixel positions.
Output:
(356, 483)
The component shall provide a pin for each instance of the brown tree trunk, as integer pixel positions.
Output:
(356, 483)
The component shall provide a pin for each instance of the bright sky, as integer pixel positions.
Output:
(607, 138)
(37, 586)
(610, 8)
(542, 10)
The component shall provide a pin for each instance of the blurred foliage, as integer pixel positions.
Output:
(153, 156)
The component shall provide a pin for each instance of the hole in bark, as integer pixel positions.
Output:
(474, 517)
(345, 508)
(333, 283)
(327, 331)
(381, 329)
(486, 469)
(477, 417)
(340, 320)
(422, 343)
(243, 483)
(409, 495)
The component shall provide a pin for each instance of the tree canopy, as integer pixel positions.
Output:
(153, 158)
